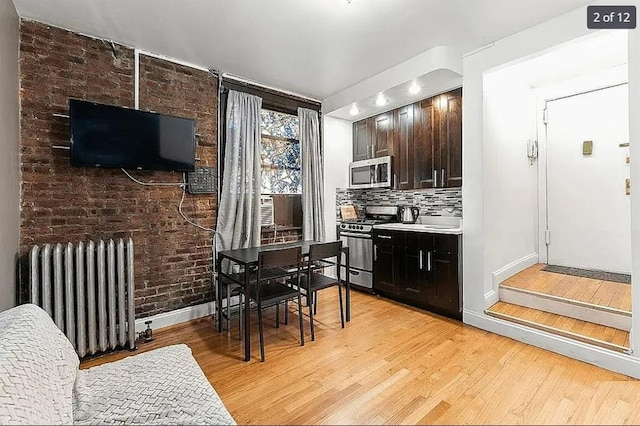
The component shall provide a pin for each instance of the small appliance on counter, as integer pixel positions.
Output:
(408, 214)
(357, 234)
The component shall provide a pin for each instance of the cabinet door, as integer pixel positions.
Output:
(451, 139)
(403, 148)
(424, 142)
(383, 269)
(443, 290)
(362, 140)
(382, 139)
(412, 265)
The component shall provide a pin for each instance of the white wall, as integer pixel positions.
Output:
(510, 181)
(9, 170)
(477, 272)
(338, 136)
(634, 138)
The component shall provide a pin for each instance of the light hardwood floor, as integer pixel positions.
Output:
(597, 292)
(395, 364)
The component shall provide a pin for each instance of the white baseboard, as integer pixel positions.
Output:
(491, 298)
(166, 319)
(610, 360)
(513, 268)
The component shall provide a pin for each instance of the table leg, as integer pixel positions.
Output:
(247, 315)
(348, 291)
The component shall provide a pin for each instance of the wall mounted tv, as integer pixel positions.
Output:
(116, 137)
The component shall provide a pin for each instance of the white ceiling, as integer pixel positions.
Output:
(312, 47)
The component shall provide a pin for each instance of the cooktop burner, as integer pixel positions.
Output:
(374, 215)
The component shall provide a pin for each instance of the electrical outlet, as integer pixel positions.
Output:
(627, 186)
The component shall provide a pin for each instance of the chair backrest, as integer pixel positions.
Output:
(325, 251)
(279, 258)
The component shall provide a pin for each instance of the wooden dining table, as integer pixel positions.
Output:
(247, 259)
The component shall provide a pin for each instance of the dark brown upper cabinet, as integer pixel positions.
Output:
(450, 113)
(424, 138)
(403, 148)
(362, 149)
(383, 135)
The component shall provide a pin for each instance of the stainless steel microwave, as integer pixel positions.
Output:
(374, 173)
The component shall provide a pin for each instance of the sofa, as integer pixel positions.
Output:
(40, 382)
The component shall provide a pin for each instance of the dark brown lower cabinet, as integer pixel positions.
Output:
(419, 269)
(383, 264)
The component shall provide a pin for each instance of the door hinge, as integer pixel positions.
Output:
(547, 237)
(545, 116)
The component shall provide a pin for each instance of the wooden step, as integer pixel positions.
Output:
(599, 314)
(607, 294)
(582, 331)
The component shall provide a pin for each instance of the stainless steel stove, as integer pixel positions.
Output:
(357, 234)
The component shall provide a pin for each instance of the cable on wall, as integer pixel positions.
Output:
(179, 184)
(189, 221)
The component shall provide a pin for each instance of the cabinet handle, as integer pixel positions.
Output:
(421, 265)
(395, 181)
(385, 237)
(435, 178)
(442, 184)
(429, 261)
(375, 253)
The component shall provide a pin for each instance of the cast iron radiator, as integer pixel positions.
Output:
(88, 290)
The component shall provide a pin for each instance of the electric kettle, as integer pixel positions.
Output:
(409, 214)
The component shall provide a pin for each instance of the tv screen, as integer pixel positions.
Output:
(111, 136)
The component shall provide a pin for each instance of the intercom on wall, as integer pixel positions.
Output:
(202, 181)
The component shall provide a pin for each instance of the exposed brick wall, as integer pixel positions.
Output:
(173, 259)
(267, 236)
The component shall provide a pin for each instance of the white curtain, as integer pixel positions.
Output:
(239, 213)
(312, 176)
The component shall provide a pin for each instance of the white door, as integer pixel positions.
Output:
(588, 211)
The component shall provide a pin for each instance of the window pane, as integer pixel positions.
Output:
(280, 152)
(279, 124)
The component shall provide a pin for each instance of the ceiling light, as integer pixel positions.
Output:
(380, 100)
(414, 88)
(354, 110)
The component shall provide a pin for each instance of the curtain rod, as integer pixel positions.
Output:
(226, 76)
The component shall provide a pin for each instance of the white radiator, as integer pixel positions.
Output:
(88, 290)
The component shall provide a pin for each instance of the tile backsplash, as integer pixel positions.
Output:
(431, 202)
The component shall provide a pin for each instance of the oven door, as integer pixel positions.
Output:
(360, 250)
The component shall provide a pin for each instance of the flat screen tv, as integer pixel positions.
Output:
(116, 137)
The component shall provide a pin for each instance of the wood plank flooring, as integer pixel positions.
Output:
(571, 325)
(394, 364)
(597, 292)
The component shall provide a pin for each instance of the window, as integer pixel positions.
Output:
(280, 152)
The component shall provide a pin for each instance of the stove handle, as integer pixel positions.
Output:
(354, 235)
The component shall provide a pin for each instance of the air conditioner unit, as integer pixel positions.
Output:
(266, 211)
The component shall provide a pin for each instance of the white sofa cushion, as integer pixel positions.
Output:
(38, 367)
(163, 386)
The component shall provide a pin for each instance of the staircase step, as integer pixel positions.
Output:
(582, 331)
(599, 314)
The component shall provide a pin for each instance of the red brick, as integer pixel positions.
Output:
(60, 203)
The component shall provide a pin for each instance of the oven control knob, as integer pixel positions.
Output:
(361, 227)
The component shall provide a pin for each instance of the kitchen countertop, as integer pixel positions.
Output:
(430, 224)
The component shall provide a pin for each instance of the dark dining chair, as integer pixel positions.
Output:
(320, 256)
(269, 289)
